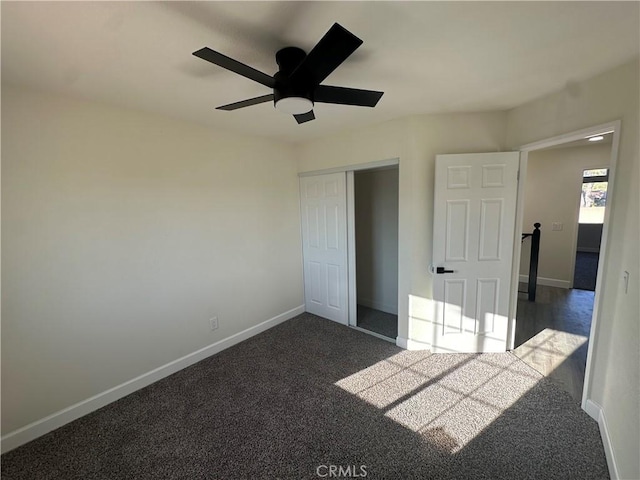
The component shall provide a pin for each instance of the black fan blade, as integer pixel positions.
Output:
(247, 103)
(305, 117)
(235, 66)
(332, 49)
(346, 96)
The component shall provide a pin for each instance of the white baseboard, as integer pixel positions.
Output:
(592, 409)
(596, 412)
(45, 425)
(383, 307)
(409, 344)
(549, 282)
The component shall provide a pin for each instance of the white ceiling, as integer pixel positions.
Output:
(427, 57)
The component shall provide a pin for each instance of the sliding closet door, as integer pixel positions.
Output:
(324, 245)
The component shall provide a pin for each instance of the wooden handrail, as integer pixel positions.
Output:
(533, 261)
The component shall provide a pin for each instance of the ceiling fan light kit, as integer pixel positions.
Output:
(294, 105)
(296, 86)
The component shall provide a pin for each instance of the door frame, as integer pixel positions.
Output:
(576, 224)
(613, 126)
(351, 244)
(352, 319)
(352, 298)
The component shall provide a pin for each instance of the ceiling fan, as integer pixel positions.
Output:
(296, 85)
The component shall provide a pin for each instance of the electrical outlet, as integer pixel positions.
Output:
(557, 227)
(213, 321)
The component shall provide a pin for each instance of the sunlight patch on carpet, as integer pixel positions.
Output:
(549, 349)
(448, 399)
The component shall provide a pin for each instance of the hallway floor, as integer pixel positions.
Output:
(552, 334)
(586, 270)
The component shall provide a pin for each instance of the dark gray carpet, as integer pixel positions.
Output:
(309, 393)
(379, 322)
(586, 271)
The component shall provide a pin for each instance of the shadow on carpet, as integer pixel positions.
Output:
(310, 394)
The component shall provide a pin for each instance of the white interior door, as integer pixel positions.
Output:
(473, 234)
(324, 245)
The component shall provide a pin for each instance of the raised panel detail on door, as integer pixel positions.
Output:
(315, 282)
(458, 176)
(457, 230)
(333, 227)
(312, 190)
(454, 306)
(332, 188)
(490, 229)
(324, 245)
(493, 176)
(313, 226)
(333, 286)
(486, 305)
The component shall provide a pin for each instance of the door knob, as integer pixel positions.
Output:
(440, 270)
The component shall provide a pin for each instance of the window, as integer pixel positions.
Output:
(593, 197)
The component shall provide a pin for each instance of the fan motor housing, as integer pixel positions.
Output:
(288, 60)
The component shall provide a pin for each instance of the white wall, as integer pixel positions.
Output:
(122, 233)
(415, 141)
(552, 195)
(376, 226)
(615, 380)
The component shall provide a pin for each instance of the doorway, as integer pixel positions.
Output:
(593, 204)
(565, 181)
(329, 250)
(375, 226)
